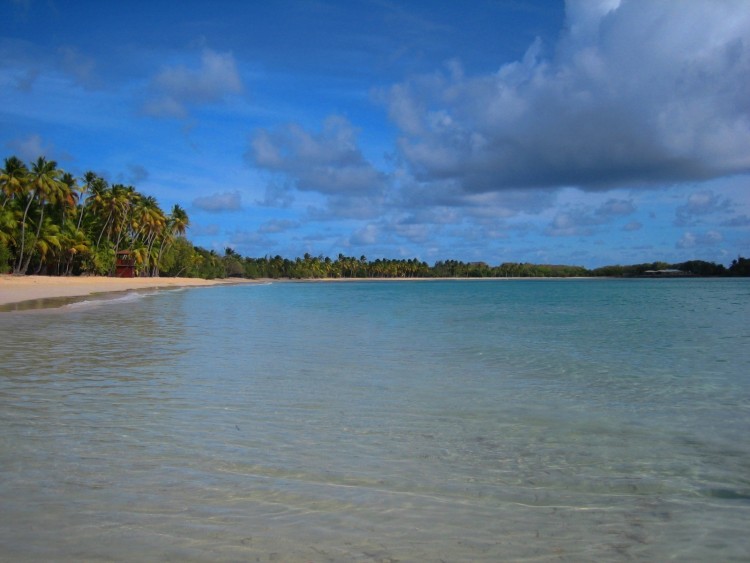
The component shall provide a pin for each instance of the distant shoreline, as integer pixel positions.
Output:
(42, 292)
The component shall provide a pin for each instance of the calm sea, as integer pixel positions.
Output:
(565, 420)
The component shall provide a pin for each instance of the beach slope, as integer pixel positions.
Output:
(16, 289)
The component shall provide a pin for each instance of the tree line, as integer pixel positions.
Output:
(232, 264)
(56, 224)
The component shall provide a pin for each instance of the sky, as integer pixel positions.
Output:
(586, 132)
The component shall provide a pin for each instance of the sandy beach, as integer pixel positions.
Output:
(16, 289)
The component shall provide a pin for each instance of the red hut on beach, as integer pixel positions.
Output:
(124, 265)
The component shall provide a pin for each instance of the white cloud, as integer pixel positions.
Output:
(219, 202)
(366, 236)
(700, 204)
(693, 240)
(637, 93)
(615, 207)
(278, 226)
(582, 220)
(176, 88)
(277, 195)
(328, 162)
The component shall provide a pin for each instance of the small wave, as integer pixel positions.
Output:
(109, 300)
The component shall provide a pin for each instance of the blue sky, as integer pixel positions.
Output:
(584, 132)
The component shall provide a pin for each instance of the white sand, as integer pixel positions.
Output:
(14, 289)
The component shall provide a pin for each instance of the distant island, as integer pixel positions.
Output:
(52, 223)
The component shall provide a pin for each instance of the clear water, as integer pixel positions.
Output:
(575, 420)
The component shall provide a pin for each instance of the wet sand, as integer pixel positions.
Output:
(17, 289)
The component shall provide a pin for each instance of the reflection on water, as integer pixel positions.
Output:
(365, 422)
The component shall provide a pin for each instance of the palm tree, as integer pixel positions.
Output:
(46, 242)
(12, 178)
(73, 243)
(97, 202)
(149, 223)
(126, 200)
(177, 224)
(91, 182)
(180, 220)
(67, 196)
(44, 181)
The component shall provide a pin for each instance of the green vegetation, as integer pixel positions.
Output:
(52, 223)
(233, 264)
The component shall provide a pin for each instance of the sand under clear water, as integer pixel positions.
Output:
(574, 420)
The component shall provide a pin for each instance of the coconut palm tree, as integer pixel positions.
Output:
(177, 225)
(90, 182)
(12, 178)
(74, 243)
(126, 200)
(43, 182)
(149, 225)
(46, 242)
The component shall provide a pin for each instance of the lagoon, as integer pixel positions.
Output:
(536, 420)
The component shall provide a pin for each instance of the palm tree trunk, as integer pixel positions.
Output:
(104, 228)
(162, 248)
(153, 266)
(38, 230)
(17, 269)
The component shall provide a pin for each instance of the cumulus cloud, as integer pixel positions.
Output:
(739, 221)
(175, 89)
(328, 162)
(337, 207)
(636, 93)
(616, 208)
(278, 226)
(700, 204)
(582, 220)
(693, 240)
(365, 236)
(277, 195)
(219, 202)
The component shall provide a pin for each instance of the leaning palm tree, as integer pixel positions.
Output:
(97, 204)
(46, 242)
(125, 200)
(44, 182)
(177, 224)
(90, 182)
(146, 222)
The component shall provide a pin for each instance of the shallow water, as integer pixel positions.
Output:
(574, 420)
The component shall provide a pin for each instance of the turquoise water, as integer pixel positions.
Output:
(573, 420)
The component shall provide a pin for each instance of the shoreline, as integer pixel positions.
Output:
(17, 290)
(43, 292)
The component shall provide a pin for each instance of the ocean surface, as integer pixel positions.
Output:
(536, 420)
